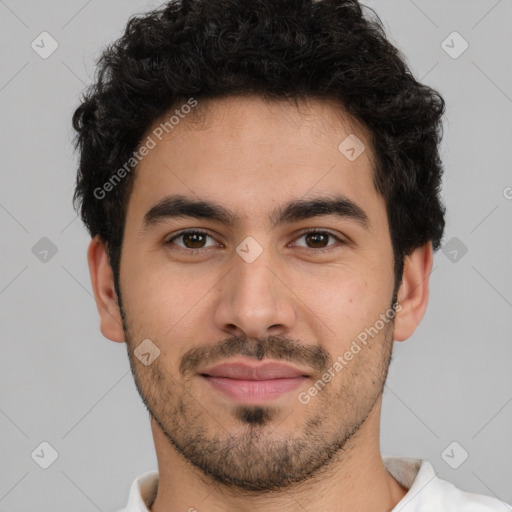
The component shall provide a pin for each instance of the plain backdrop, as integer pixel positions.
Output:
(448, 397)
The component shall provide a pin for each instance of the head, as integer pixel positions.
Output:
(239, 123)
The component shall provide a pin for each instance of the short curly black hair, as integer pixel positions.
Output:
(277, 49)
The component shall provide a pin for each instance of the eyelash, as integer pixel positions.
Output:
(306, 232)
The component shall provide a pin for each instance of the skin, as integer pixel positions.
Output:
(252, 156)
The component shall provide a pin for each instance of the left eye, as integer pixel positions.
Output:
(318, 237)
(196, 239)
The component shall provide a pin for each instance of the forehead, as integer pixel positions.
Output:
(252, 155)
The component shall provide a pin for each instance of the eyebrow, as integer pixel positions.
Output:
(180, 206)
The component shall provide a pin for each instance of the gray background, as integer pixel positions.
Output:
(63, 383)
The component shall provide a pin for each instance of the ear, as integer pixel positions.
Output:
(102, 279)
(413, 292)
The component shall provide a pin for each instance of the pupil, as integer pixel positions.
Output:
(194, 237)
(316, 237)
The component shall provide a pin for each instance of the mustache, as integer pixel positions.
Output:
(272, 347)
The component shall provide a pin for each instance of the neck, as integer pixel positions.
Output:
(355, 481)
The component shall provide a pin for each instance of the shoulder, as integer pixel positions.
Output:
(427, 492)
(142, 492)
(453, 498)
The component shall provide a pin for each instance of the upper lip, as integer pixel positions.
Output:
(251, 371)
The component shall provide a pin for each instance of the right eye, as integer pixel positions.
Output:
(193, 240)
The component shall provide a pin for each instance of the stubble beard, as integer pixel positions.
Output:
(260, 455)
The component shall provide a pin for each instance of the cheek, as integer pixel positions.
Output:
(348, 297)
(348, 306)
(146, 299)
(163, 302)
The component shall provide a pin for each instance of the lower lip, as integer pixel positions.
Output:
(254, 391)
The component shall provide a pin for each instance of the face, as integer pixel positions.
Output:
(255, 299)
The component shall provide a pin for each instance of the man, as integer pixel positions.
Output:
(261, 183)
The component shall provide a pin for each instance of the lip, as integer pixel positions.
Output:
(254, 371)
(253, 383)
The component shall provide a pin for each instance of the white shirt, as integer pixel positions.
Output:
(427, 493)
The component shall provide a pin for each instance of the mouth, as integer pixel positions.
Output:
(250, 383)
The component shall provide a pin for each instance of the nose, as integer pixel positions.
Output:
(255, 299)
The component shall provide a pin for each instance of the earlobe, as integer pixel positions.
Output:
(413, 292)
(102, 280)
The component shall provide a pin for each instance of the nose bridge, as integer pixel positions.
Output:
(252, 298)
(254, 277)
